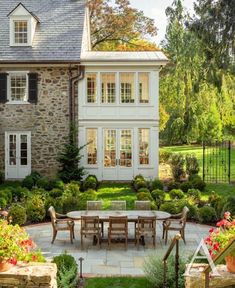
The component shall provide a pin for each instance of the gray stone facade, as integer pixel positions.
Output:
(48, 120)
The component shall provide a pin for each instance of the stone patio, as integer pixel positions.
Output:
(117, 260)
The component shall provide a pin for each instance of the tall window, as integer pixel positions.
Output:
(108, 87)
(91, 80)
(143, 87)
(143, 146)
(21, 32)
(18, 86)
(92, 146)
(127, 87)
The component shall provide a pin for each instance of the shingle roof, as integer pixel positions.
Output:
(58, 36)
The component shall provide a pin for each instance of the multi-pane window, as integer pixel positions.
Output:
(127, 87)
(143, 146)
(126, 148)
(143, 87)
(91, 146)
(91, 82)
(18, 87)
(23, 150)
(12, 149)
(108, 87)
(110, 148)
(21, 32)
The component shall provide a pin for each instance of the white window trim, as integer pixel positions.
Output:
(97, 164)
(12, 30)
(144, 165)
(9, 87)
(97, 89)
(149, 87)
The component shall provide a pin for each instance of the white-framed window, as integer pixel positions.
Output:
(108, 88)
(144, 139)
(91, 138)
(127, 87)
(91, 87)
(18, 87)
(143, 82)
(20, 31)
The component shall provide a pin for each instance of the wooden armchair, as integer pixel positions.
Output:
(94, 205)
(142, 205)
(176, 222)
(90, 226)
(118, 228)
(60, 223)
(118, 205)
(146, 226)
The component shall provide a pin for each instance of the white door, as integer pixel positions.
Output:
(118, 154)
(18, 155)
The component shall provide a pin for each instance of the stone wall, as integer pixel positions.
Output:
(31, 275)
(197, 278)
(48, 120)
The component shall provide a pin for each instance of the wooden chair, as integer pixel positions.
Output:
(142, 205)
(60, 223)
(118, 205)
(146, 226)
(176, 222)
(94, 205)
(118, 228)
(90, 226)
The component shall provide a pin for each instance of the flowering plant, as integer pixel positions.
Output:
(15, 245)
(222, 235)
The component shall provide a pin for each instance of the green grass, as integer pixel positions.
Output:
(116, 191)
(221, 189)
(117, 282)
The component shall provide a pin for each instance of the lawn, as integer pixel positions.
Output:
(117, 282)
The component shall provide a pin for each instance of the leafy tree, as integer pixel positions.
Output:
(70, 158)
(118, 24)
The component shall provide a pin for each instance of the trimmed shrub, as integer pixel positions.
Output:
(35, 175)
(56, 192)
(194, 177)
(154, 271)
(177, 166)
(140, 184)
(89, 195)
(192, 164)
(173, 185)
(207, 215)
(193, 209)
(28, 182)
(57, 203)
(7, 194)
(159, 196)
(90, 182)
(156, 184)
(44, 183)
(70, 203)
(164, 156)
(17, 213)
(146, 190)
(185, 186)
(170, 207)
(72, 188)
(138, 177)
(176, 194)
(194, 194)
(20, 193)
(67, 271)
(144, 196)
(57, 183)
(35, 208)
(199, 184)
(229, 206)
(217, 202)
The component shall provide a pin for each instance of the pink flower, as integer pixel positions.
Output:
(13, 261)
(4, 213)
(227, 215)
(216, 246)
(211, 230)
(223, 222)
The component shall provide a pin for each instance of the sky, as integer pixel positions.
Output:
(156, 9)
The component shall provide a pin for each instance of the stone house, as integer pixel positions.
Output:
(49, 77)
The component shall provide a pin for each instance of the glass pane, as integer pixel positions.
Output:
(23, 150)
(144, 87)
(21, 32)
(12, 150)
(110, 148)
(18, 87)
(108, 87)
(144, 146)
(127, 87)
(91, 87)
(126, 148)
(92, 146)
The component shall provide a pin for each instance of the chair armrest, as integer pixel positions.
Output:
(69, 222)
(61, 215)
(167, 223)
(176, 216)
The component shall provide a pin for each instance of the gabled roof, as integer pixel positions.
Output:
(58, 36)
(20, 4)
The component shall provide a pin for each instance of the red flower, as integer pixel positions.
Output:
(34, 257)
(223, 222)
(211, 230)
(13, 261)
(216, 246)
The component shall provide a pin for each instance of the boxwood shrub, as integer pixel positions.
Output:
(207, 215)
(17, 214)
(176, 194)
(35, 208)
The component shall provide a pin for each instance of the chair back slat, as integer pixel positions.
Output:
(118, 205)
(118, 223)
(142, 205)
(90, 222)
(94, 205)
(146, 222)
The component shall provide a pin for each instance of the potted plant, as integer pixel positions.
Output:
(220, 237)
(15, 245)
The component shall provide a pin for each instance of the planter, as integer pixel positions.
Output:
(230, 262)
(5, 266)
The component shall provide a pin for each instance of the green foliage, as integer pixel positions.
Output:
(138, 177)
(89, 195)
(17, 213)
(28, 182)
(35, 208)
(170, 207)
(173, 185)
(194, 194)
(194, 177)
(3, 202)
(70, 203)
(56, 192)
(140, 184)
(176, 194)
(57, 183)
(177, 166)
(118, 282)
(156, 184)
(6, 193)
(164, 156)
(1, 177)
(69, 159)
(185, 186)
(72, 188)
(217, 202)
(44, 183)
(144, 196)
(57, 203)
(154, 271)
(90, 182)
(66, 271)
(146, 190)
(229, 206)
(199, 184)
(192, 164)
(159, 196)
(20, 193)
(207, 215)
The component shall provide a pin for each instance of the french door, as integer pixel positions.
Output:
(18, 154)
(118, 154)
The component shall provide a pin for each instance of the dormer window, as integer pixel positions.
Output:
(21, 32)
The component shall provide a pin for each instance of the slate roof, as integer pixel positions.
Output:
(58, 36)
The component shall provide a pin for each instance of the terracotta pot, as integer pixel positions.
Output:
(4, 266)
(230, 262)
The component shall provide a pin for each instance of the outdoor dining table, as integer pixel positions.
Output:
(132, 215)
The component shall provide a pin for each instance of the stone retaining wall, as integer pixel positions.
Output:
(31, 275)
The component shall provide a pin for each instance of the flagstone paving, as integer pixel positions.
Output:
(117, 260)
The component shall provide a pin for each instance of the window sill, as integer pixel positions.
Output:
(17, 102)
